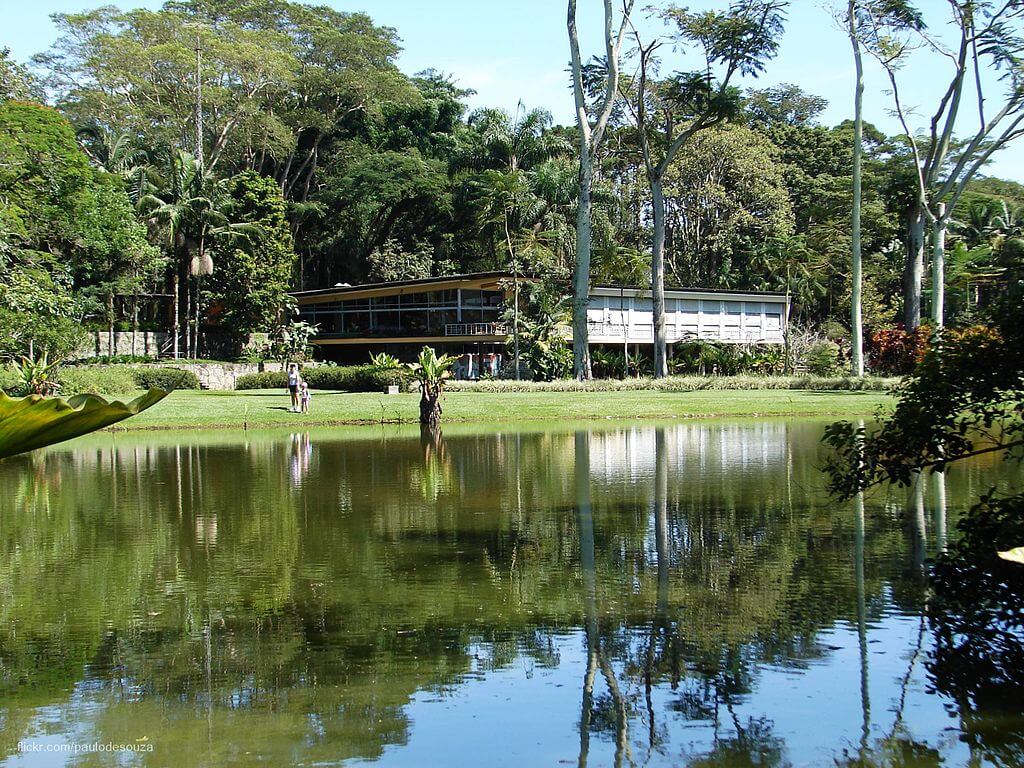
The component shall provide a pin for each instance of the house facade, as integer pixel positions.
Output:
(463, 315)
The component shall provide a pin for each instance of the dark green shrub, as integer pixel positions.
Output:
(96, 380)
(122, 379)
(10, 381)
(166, 378)
(677, 384)
(263, 380)
(116, 360)
(607, 364)
(355, 378)
(342, 378)
(822, 358)
(706, 358)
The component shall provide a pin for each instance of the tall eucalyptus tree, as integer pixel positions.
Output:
(591, 122)
(669, 113)
(856, 279)
(987, 53)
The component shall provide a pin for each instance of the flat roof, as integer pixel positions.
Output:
(491, 280)
(400, 286)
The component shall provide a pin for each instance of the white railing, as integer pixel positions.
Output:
(476, 329)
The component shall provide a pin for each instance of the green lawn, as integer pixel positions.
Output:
(269, 408)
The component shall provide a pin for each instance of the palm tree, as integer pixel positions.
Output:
(121, 155)
(505, 200)
(432, 372)
(1007, 222)
(978, 225)
(511, 143)
(191, 207)
(857, 314)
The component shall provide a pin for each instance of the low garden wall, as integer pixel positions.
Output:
(222, 376)
(160, 344)
(147, 344)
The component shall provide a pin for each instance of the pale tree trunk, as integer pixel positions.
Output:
(188, 316)
(176, 305)
(913, 274)
(111, 343)
(590, 139)
(195, 333)
(514, 262)
(581, 274)
(939, 267)
(856, 312)
(135, 322)
(658, 279)
(515, 322)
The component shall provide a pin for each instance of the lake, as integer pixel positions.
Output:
(568, 594)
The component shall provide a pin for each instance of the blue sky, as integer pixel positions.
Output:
(517, 49)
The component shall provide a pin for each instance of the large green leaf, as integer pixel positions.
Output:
(34, 421)
(1014, 555)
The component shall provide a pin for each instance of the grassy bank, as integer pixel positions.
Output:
(269, 408)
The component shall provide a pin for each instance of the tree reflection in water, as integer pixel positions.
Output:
(322, 597)
(977, 619)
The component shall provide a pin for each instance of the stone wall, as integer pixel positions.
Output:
(217, 376)
(222, 376)
(147, 343)
(161, 344)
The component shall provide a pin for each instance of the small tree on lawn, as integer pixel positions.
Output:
(431, 371)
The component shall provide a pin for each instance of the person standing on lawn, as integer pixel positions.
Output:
(294, 380)
(304, 396)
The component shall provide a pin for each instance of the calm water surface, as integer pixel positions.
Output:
(680, 594)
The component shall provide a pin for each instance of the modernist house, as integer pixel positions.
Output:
(462, 315)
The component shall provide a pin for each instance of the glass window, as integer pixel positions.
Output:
(386, 322)
(357, 322)
(355, 305)
(414, 321)
(415, 301)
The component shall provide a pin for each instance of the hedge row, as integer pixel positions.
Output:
(109, 379)
(678, 384)
(349, 378)
(120, 379)
(164, 377)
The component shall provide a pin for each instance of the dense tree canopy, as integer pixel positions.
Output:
(253, 274)
(68, 236)
(380, 175)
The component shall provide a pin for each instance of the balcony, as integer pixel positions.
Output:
(476, 329)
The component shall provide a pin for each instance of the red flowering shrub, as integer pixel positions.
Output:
(895, 351)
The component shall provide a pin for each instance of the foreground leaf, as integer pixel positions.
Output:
(1014, 555)
(35, 422)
